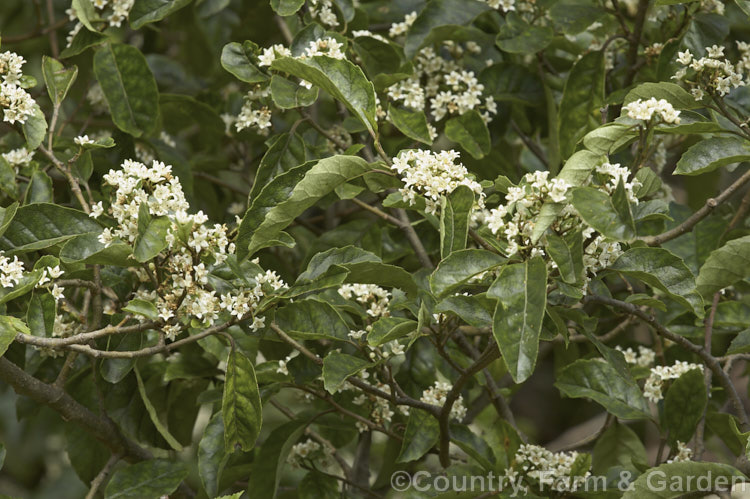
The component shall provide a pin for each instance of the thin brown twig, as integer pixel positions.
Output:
(699, 215)
(101, 478)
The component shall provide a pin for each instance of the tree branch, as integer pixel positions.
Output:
(710, 361)
(699, 215)
(100, 427)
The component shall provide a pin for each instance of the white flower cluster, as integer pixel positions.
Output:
(373, 297)
(554, 468)
(250, 117)
(322, 10)
(18, 157)
(366, 32)
(193, 247)
(613, 174)
(646, 109)
(324, 46)
(10, 67)
(282, 369)
(17, 103)
(450, 89)
(114, 12)
(270, 54)
(83, 140)
(400, 28)
(644, 358)
(713, 73)
(515, 219)
(659, 374)
(433, 174)
(506, 5)
(258, 115)
(307, 451)
(437, 394)
(380, 409)
(684, 453)
(11, 271)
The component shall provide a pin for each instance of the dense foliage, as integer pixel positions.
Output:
(342, 248)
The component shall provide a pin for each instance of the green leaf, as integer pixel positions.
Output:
(212, 455)
(382, 274)
(85, 12)
(340, 78)
(6, 217)
(290, 95)
(41, 314)
(316, 485)
(321, 262)
(574, 18)
(454, 220)
(388, 329)
(83, 40)
(25, 285)
(604, 213)
(40, 188)
(521, 291)
(378, 57)
(10, 327)
(710, 154)
(724, 267)
(285, 152)
(144, 12)
(475, 310)
(473, 445)
(142, 307)
(471, 132)
(310, 319)
(740, 343)
(239, 59)
(57, 78)
(241, 408)
(460, 266)
(146, 480)
(277, 205)
(268, 465)
(617, 446)
(286, 7)
(684, 404)
(662, 270)
(422, 433)
(597, 380)
(41, 225)
(35, 128)
(413, 124)
(671, 92)
(152, 239)
(128, 86)
(337, 367)
(674, 480)
(512, 82)
(273, 194)
(439, 13)
(567, 252)
(609, 138)
(87, 248)
(582, 97)
(153, 415)
(517, 36)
